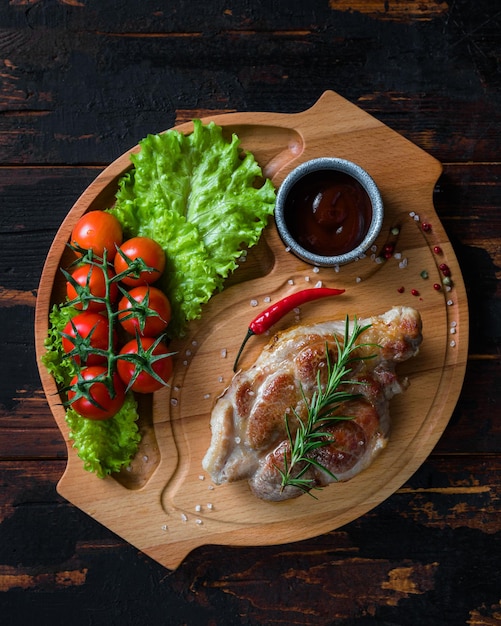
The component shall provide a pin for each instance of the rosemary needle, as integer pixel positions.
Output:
(320, 412)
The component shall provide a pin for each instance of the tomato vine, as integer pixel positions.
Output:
(83, 347)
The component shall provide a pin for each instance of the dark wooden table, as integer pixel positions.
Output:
(81, 81)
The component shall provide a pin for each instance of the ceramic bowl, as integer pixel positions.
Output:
(353, 178)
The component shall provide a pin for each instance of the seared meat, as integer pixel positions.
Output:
(249, 437)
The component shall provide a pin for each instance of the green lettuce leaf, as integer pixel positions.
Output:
(196, 195)
(54, 359)
(105, 446)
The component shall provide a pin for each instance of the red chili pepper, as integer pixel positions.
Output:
(265, 320)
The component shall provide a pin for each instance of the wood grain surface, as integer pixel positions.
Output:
(163, 487)
(83, 82)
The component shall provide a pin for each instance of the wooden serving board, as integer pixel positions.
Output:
(164, 504)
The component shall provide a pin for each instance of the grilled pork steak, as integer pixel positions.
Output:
(249, 437)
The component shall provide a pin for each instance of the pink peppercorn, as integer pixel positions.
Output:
(415, 292)
(426, 227)
(437, 250)
(445, 269)
(437, 287)
(388, 250)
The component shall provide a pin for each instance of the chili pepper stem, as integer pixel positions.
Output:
(249, 334)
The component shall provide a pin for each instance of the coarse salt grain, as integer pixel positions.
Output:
(199, 522)
(237, 440)
(184, 517)
(173, 401)
(288, 249)
(450, 302)
(224, 353)
(378, 260)
(316, 269)
(210, 487)
(318, 284)
(253, 303)
(454, 324)
(452, 331)
(416, 218)
(267, 299)
(307, 279)
(358, 279)
(201, 477)
(412, 214)
(374, 248)
(210, 506)
(453, 343)
(220, 379)
(336, 268)
(397, 255)
(290, 281)
(206, 396)
(165, 527)
(403, 263)
(198, 508)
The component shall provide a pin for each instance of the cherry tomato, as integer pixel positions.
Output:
(155, 322)
(93, 275)
(146, 249)
(91, 331)
(107, 406)
(97, 231)
(145, 383)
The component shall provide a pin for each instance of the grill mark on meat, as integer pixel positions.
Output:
(312, 359)
(244, 398)
(350, 439)
(266, 419)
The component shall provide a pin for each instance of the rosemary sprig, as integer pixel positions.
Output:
(321, 411)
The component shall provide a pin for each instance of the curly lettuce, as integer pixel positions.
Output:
(55, 360)
(196, 195)
(104, 446)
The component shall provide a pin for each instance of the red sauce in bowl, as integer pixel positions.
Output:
(328, 212)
